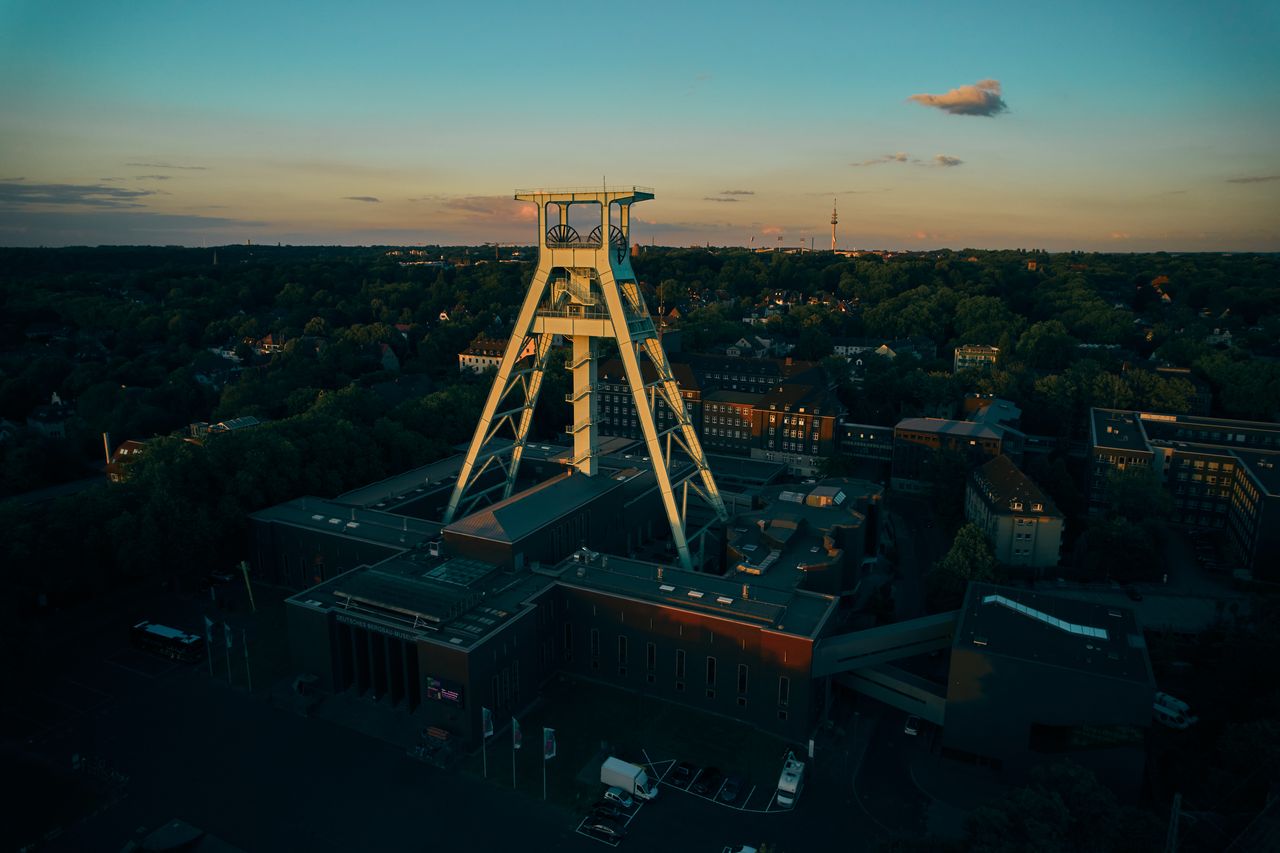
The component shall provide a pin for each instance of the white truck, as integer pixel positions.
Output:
(791, 782)
(631, 778)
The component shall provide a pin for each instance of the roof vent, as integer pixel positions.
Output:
(693, 593)
(724, 599)
(666, 587)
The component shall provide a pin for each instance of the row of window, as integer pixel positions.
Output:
(681, 672)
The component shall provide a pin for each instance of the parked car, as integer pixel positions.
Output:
(682, 774)
(732, 789)
(604, 808)
(707, 782)
(607, 827)
(912, 726)
(619, 796)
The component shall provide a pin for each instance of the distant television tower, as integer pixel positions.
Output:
(833, 224)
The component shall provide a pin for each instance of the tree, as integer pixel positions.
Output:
(1046, 346)
(1136, 494)
(985, 320)
(1062, 807)
(969, 559)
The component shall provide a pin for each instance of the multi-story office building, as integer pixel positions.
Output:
(797, 425)
(1024, 526)
(1211, 467)
(865, 441)
(918, 442)
(974, 357)
(729, 423)
(1254, 521)
(769, 409)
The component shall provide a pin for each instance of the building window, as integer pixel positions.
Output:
(742, 678)
(680, 665)
(651, 657)
(622, 648)
(711, 672)
(784, 693)
(595, 643)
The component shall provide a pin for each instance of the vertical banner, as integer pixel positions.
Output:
(548, 751)
(548, 744)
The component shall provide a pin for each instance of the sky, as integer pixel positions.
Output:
(1106, 126)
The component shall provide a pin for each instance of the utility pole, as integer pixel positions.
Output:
(244, 569)
(248, 671)
(1171, 840)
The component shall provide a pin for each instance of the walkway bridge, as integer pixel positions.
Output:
(862, 661)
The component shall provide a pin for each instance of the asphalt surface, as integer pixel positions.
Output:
(179, 743)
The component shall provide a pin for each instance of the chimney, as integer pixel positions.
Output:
(106, 446)
(746, 592)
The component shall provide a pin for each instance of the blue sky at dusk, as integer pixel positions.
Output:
(1115, 127)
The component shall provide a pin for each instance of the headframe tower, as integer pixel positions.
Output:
(585, 290)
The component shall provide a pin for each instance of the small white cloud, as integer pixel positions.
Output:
(980, 99)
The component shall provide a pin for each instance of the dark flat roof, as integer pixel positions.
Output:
(1117, 429)
(414, 482)
(352, 522)
(1100, 639)
(521, 514)
(454, 601)
(790, 611)
(1264, 466)
(942, 426)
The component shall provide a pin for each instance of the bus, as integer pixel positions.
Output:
(169, 642)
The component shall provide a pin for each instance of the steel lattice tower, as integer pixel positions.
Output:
(584, 289)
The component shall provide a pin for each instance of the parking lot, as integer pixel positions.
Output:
(729, 791)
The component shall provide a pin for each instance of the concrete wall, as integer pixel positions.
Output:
(767, 656)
